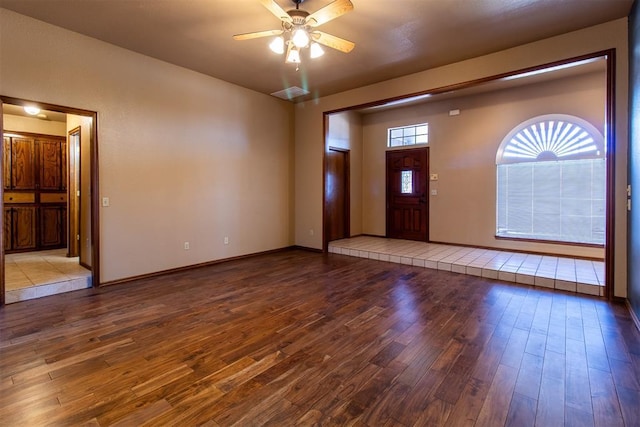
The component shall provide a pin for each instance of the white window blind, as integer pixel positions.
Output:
(551, 176)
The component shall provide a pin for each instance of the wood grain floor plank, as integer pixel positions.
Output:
(606, 406)
(522, 411)
(630, 405)
(468, 407)
(496, 406)
(300, 338)
(530, 376)
(576, 418)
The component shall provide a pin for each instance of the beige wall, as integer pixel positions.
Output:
(344, 130)
(462, 151)
(29, 124)
(309, 119)
(182, 156)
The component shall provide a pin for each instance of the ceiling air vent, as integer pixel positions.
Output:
(291, 92)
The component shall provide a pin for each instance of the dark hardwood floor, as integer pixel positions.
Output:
(299, 338)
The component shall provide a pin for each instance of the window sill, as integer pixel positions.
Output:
(551, 242)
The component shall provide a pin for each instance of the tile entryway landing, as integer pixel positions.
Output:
(567, 274)
(32, 275)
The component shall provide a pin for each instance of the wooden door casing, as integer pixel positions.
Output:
(73, 212)
(408, 213)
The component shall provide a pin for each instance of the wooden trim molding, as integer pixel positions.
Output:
(635, 319)
(610, 138)
(199, 265)
(305, 248)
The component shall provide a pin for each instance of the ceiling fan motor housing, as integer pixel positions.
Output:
(299, 16)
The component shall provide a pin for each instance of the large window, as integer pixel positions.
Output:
(408, 135)
(551, 180)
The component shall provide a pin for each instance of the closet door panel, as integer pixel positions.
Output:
(52, 226)
(52, 164)
(24, 227)
(6, 154)
(8, 229)
(23, 170)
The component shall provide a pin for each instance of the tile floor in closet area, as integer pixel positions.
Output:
(567, 274)
(30, 275)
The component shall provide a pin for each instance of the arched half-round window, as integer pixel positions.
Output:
(551, 181)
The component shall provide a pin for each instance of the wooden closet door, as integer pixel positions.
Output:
(8, 229)
(52, 156)
(53, 221)
(23, 169)
(6, 173)
(24, 227)
(35, 182)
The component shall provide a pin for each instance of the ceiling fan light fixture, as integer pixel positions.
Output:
(277, 45)
(300, 38)
(299, 30)
(294, 56)
(315, 51)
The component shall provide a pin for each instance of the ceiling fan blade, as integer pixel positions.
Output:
(277, 10)
(329, 12)
(257, 34)
(333, 42)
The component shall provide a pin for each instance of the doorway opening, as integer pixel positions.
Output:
(48, 200)
(477, 221)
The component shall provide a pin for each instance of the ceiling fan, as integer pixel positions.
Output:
(299, 30)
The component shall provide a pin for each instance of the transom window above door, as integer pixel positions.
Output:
(408, 135)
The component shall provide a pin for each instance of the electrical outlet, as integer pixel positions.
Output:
(311, 232)
(226, 240)
(105, 202)
(186, 246)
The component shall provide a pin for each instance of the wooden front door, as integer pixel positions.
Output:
(407, 198)
(336, 195)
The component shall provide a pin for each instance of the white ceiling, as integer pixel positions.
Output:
(392, 37)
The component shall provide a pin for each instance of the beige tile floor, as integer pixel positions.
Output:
(568, 274)
(30, 275)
